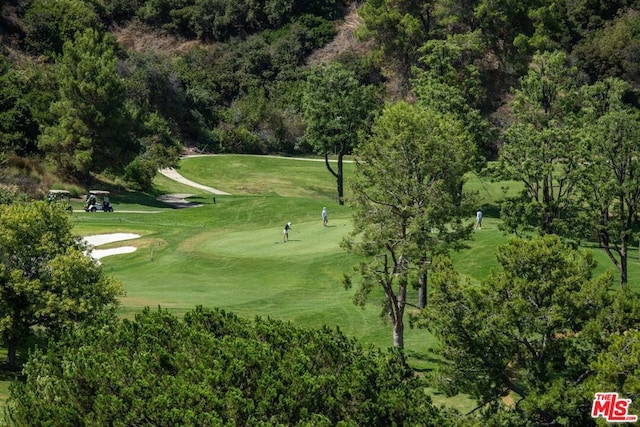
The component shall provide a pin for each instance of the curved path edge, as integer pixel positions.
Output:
(171, 173)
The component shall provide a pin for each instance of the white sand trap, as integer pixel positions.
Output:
(101, 253)
(103, 239)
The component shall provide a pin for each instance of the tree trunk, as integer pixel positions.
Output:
(340, 180)
(398, 333)
(398, 314)
(547, 199)
(338, 174)
(11, 352)
(623, 262)
(458, 201)
(422, 290)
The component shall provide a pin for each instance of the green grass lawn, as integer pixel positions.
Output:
(230, 254)
(267, 176)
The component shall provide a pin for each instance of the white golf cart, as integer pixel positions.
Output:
(98, 200)
(60, 196)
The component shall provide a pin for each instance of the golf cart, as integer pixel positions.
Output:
(60, 196)
(98, 200)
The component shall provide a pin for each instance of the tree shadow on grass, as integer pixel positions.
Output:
(490, 211)
(120, 194)
(136, 198)
(423, 361)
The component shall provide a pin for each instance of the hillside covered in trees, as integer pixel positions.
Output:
(422, 92)
(120, 88)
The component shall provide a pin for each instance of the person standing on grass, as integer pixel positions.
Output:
(479, 220)
(285, 234)
(325, 217)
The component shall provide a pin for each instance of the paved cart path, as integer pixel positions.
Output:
(174, 175)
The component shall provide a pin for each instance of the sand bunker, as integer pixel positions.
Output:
(103, 239)
(101, 253)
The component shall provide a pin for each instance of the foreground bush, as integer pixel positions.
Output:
(212, 368)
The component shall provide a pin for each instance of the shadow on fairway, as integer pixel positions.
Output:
(121, 195)
(423, 361)
(490, 211)
(134, 198)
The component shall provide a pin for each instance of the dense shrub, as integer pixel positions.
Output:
(220, 20)
(50, 23)
(213, 368)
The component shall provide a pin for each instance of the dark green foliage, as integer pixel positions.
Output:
(24, 103)
(17, 129)
(252, 125)
(238, 139)
(213, 368)
(399, 28)
(154, 87)
(290, 44)
(337, 108)
(532, 329)
(367, 69)
(8, 196)
(406, 202)
(93, 132)
(220, 20)
(46, 280)
(153, 83)
(118, 11)
(51, 23)
(449, 81)
(160, 149)
(611, 51)
(542, 148)
(465, 55)
(611, 184)
(231, 70)
(618, 367)
(243, 89)
(266, 44)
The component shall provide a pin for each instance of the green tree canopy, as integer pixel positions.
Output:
(51, 23)
(610, 50)
(336, 108)
(618, 368)
(542, 150)
(46, 279)
(399, 28)
(406, 201)
(220, 20)
(532, 329)
(448, 81)
(17, 128)
(610, 185)
(213, 368)
(93, 132)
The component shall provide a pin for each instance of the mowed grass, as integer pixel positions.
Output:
(264, 175)
(229, 254)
